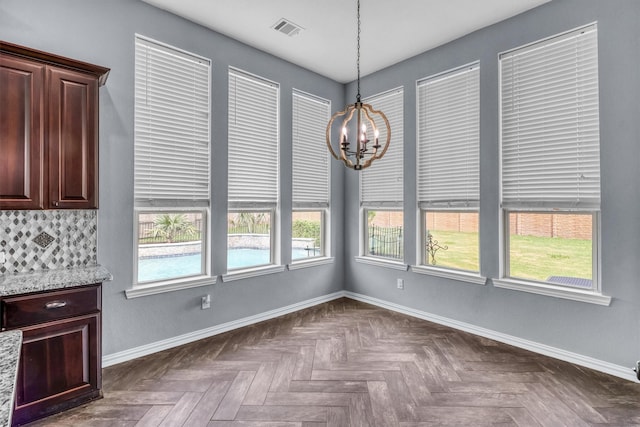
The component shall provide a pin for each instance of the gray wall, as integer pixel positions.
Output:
(610, 334)
(102, 32)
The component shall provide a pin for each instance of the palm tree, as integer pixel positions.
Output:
(249, 220)
(169, 226)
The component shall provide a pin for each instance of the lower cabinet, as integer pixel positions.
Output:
(60, 363)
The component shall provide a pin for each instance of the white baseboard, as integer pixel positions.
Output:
(567, 356)
(575, 358)
(144, 350)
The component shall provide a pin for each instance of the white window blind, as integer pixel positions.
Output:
(253, 140)
(550, 123)
(310, 155)
(171, 126)
(381, 183)
(449, 139)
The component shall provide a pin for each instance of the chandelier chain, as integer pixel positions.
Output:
(358, 53)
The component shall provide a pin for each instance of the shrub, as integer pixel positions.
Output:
(307, 229)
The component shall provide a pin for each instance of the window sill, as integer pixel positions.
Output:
(462, 276)
(169, 286)
(298, 264)
(252, 272)
(382, 262)
(553, 291)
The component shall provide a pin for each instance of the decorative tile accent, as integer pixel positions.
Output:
(75, 234)
(43, 239)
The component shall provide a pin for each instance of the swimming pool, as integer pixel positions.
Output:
(161, 268)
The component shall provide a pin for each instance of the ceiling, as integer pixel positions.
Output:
(391, 31)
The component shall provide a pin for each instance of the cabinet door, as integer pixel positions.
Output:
(59, 366)
(73, 139)
(21, 133)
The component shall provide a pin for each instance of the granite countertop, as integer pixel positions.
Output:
(10, 345)
(48, 280)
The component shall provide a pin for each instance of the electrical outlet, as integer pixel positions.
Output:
(205, 302)
(400, 284)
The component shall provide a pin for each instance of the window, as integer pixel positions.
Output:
(551, 161)
(253, 171)
(310, 176)
(551, 247)
(171, 190)
(307, 234)
(249, 241)
(381, 184)
(448, 168)
(170, 244)
(384, 233)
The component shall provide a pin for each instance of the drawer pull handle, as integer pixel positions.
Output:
(55, 304)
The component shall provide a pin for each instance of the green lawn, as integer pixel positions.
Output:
(462, 252)
(534, 258)
(540, 257)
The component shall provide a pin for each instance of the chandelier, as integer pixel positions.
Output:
(360, 151)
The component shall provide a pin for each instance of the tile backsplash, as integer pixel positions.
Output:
(48, 239)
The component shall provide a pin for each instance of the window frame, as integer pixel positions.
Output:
(449, 203)
(272, 239)
(324, 257)
(547, 206)
(397, 205)
(275, 265)
(266, 201)
(157, 198)
(423, 250)
(595, 248)
(366, 257)
(313, 204)
(175, 283)
(592, 296)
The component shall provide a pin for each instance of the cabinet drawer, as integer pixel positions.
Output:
(28, 310)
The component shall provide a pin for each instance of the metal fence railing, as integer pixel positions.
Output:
(146, 233)
(386, 241)
(248, 229)
(383, 241)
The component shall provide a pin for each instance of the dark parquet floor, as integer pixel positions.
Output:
(346, 363)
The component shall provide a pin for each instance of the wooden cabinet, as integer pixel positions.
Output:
(60, 362)
(72, 139)
(21, 133)
(48, 130)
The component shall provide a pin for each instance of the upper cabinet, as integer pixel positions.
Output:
(48, 130)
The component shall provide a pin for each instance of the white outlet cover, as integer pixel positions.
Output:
(205, 302)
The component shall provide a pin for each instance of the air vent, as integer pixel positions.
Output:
(287, 27)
